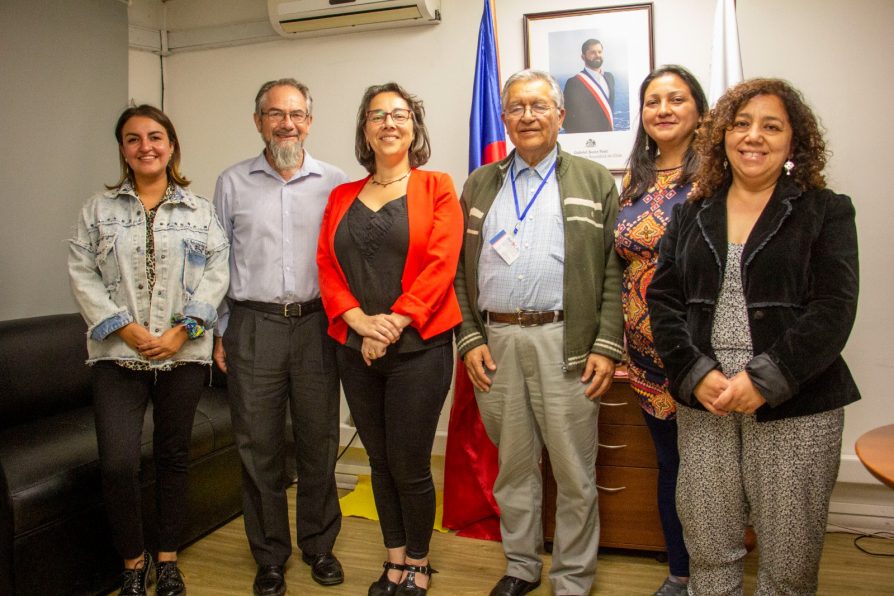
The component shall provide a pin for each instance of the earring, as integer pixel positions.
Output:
(725, 163)
(788, 166)
(647, 144)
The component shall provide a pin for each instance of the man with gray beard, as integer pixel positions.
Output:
(272, 341)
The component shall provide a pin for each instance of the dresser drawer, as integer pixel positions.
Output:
(627, 511)
(625, 445)
(620, 406)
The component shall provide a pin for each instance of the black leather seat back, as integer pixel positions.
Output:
(32, 353)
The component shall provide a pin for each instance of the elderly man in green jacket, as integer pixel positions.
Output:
(539, 287)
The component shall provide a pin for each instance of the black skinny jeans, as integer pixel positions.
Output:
(396, 404)
(120, 398)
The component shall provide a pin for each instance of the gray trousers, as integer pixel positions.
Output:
(274, 364)
(779, 474)
(533, 402)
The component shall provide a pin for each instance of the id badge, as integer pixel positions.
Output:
(505, 245)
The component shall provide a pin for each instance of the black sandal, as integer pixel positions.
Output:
(408, 587)
(384, 586)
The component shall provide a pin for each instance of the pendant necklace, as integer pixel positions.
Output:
(390, 182)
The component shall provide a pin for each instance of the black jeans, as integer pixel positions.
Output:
(664, 435)
(120, 398)
(396, 404)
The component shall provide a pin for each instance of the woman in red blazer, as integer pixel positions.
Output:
(387, 256)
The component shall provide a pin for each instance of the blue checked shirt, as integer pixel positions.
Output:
(534, 281)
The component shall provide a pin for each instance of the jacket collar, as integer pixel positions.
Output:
(712, 220)
(180, 195)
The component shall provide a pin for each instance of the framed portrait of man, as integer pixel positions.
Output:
(599, 56)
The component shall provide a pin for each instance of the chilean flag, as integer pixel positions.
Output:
(487, 141)
(470, 464)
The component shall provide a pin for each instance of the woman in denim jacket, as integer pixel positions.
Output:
(148, 267)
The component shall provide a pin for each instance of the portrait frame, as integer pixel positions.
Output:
(602, 109)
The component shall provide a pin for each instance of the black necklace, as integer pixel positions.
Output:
(390, 182)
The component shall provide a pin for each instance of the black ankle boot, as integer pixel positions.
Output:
(384, 586)
(169, 581)
(408, 587)
(135, 581)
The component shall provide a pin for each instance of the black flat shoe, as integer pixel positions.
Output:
(384, 586)
(135, 581)
(513, 586)
(324, 568)
(168, 580)
(408, 587)
(270, 580)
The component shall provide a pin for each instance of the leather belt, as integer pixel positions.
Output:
(292, 309)
(524, 318)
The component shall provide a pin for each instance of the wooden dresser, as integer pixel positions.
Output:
(626, 476)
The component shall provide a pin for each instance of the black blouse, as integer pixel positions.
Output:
(371, 248)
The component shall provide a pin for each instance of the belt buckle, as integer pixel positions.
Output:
(285, 309)
(527, 319)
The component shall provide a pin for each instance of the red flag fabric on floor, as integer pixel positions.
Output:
(470, 465)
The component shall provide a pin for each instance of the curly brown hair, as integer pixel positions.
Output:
(809, 151)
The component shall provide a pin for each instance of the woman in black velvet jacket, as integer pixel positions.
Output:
(752, 302)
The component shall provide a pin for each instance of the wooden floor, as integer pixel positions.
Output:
(221, 564)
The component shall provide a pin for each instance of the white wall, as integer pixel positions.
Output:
(834, 51)
(63, 83)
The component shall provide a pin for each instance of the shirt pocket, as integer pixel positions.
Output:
(107, 261)
(195, 255)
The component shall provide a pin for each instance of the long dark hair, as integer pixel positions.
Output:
(173, 168)
(641, 163)
(420, 149)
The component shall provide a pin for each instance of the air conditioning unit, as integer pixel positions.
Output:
(308, 18)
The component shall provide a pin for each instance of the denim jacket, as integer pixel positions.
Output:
(107, 268)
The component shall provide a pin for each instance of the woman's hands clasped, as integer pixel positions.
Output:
(378, 331)
(153, 347)
(720, 395)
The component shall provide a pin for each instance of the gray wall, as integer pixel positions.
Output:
(63, 82)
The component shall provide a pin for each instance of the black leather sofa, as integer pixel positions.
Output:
(54, 537)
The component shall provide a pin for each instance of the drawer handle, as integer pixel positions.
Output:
(611, 490)
(613, 404)
(611, 446)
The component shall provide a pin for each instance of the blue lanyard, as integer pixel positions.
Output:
(521, 214)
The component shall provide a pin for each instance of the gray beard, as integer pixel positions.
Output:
(285, 155)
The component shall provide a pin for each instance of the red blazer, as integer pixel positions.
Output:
(436, 234)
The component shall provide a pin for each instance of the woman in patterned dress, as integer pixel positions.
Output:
(752, 302)
(660, 171)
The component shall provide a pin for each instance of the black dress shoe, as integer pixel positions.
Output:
(135, 581)
(513, 586)
(384, 586)
(269, 581)
(168, 580)
(324, 568)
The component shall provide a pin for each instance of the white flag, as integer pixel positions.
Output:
(726, 61)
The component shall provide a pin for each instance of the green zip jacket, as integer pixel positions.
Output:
(592, 294)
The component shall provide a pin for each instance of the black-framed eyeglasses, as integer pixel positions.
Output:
(277, 116)
(398, 116)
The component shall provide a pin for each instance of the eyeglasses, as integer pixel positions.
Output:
(277, 116)
(398, 116)
(517, 111)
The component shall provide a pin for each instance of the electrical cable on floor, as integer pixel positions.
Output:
(861, 535)
(354, 436)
